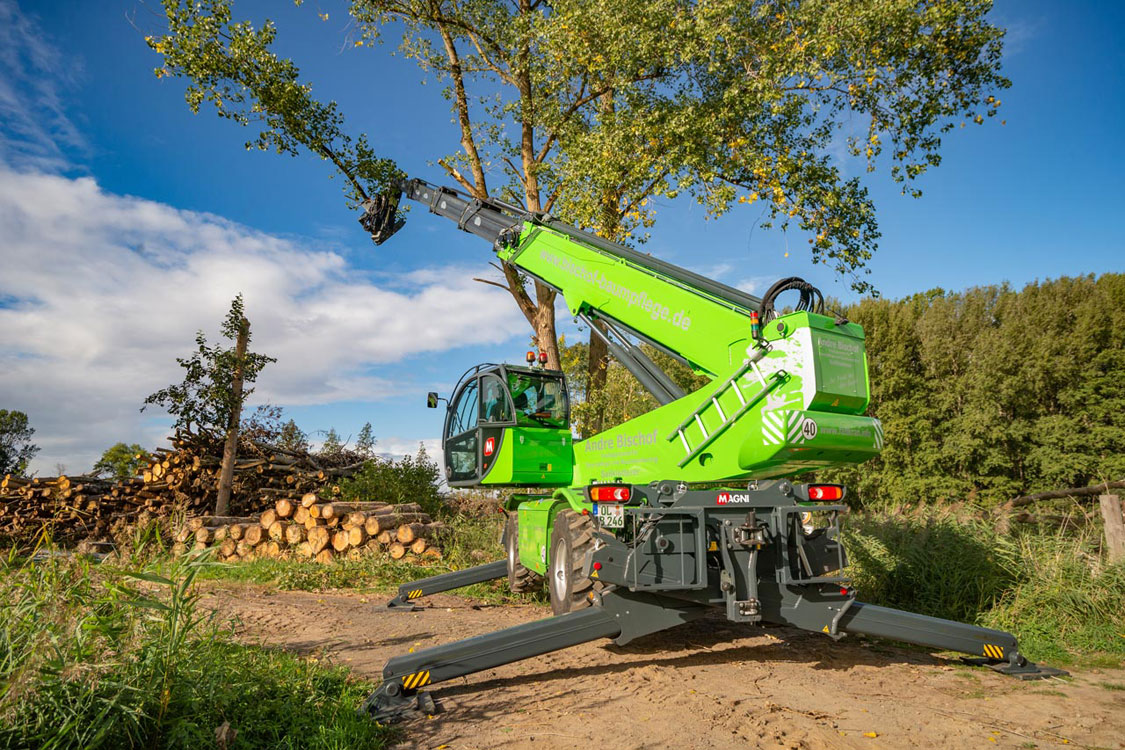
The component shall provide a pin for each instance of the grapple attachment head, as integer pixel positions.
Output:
(381, 217)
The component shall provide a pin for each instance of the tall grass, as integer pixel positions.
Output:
(1053, 590)
(93, 659)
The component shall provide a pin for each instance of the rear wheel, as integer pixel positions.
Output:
(521, 579)
(572, 536)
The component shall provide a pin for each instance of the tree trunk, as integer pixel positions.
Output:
(230, 450)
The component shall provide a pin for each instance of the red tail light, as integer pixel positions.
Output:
(825, 492)
(608, 493)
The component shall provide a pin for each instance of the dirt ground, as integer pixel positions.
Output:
(707, 684)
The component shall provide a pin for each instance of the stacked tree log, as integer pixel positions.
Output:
(316, 527)
(180, 480)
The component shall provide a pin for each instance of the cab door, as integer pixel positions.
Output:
(462, 448)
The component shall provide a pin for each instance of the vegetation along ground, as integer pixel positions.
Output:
(145, 651)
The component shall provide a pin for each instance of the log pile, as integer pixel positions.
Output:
(315, 527)
(182, 479)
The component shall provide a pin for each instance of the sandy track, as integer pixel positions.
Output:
(706, 684)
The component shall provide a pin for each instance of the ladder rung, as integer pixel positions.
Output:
(699, 422)
(715, 401)
(683, 437)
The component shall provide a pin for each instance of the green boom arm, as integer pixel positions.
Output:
(676, 309)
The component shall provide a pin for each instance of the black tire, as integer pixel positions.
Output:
(572, 536)
(521, 580)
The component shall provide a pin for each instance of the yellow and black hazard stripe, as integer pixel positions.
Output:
(415, 680)
(414, 594)
(993, 652)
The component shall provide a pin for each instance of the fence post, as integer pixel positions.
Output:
(1114, 518)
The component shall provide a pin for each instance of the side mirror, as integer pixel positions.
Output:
(431, 400)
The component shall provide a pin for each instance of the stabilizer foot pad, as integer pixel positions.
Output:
(389, 709)
(1028, 671)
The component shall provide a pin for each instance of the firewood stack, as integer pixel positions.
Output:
(184, 478)
(316, 527)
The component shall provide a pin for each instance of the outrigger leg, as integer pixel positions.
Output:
(998, 650)
(623, 616)
(408, 592)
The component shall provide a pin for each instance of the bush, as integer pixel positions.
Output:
(930, 563)
(1066, 602)
(1053, 591)
(413, 479)
(89, 659)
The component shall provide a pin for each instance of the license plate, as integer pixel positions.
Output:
(611, 515)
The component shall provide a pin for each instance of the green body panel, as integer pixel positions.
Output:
(539, 456)
(537, 518)
(810, 419)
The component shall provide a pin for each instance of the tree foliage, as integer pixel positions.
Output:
(16, 448)
(229, 64)
(991, 393)
(121, 461)
(205, 399)
(411, 479)
(365, 443)
(332, 446)
(591, 109)
(293, 438)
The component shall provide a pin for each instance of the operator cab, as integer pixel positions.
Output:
(507, 425)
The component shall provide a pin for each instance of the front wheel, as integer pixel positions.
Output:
(521, 579)
(571, 537)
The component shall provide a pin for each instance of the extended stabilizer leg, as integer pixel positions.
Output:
(409, 592)
(403, 676)
(998, 650)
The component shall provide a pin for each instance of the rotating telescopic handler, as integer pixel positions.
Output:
(619, 526)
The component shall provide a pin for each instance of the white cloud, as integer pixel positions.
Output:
(34, 127)
(755, 285)
(99, 293)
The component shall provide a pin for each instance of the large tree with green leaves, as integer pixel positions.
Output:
(592, 108)
(16, 448)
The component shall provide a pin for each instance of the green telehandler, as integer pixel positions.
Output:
(620, 526)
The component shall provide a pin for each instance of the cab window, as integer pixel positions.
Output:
(539, 401)
(494, 406)
(465, 411)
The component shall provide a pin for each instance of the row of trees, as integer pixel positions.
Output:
(992, 392)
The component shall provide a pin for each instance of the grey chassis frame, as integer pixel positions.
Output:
(683, 553)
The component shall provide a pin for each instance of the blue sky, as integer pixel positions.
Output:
(84, 123)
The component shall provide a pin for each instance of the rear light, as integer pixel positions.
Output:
(825, 492)
(608, 493)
